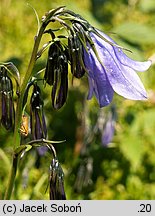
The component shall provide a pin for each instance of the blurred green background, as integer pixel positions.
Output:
(126, 168)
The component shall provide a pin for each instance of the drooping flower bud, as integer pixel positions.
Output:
(76, 55)
(7, 114)
(57, 191)
(60, 85)
(53, 54)
(37, 118)
(56, 74)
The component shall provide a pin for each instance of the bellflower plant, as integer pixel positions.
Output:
(80, 49)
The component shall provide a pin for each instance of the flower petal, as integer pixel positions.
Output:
(98, 82)
(135, 65)
(122, 78)
(91, 88)
(123, 58)
(127, 83)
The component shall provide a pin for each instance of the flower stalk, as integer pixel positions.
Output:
(18, 116)
(12, 177)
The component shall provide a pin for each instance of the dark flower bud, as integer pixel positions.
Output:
(56, 74)
(7, 114)
(75, 56)
(60, 85)
(52, 62)
(12, 69)
(37, 118)
(57, 191)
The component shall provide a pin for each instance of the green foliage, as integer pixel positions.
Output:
(147, 5)
(136, 33)
(126, 168)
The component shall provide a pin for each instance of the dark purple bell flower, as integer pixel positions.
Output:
(76, 56)
(37, 118)
(57, 191)
(52, 62)
(113, 71)
(56, 73)
(7, 114)
(60, 84)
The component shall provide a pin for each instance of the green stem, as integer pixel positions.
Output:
(12, 177)
(18, 115)
(23, 87)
